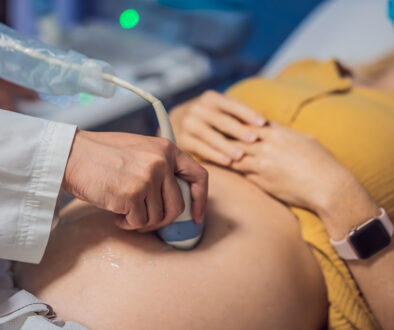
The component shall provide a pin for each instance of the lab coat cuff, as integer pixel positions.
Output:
(47, 178)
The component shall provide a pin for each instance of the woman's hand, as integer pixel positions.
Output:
(209, 125)
(298, 170)
(289, 165)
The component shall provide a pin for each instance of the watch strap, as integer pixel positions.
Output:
(344, 247)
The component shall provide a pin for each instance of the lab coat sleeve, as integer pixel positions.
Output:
(33, 157)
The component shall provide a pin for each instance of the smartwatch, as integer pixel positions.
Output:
(367, 239)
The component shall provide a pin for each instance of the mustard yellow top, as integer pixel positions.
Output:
(357, 125)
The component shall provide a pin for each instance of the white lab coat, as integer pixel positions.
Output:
(33, 157)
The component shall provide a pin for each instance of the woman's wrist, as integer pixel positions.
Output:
(346, 205)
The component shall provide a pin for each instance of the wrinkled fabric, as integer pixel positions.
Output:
(21, 310)
(33, 157)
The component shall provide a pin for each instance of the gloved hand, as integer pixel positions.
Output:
(134, 176)
(9, 92)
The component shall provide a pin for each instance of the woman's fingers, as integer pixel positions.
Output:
(233, 107)
(224, 123)
(204, 150)
(202, 131)
(234, 128)
(269, 129)
(248, 164)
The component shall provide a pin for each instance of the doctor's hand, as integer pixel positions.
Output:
(209, 125)
(134, 176)
(10, 92)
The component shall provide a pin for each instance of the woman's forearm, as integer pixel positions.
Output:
(344, 204)
(348, 206)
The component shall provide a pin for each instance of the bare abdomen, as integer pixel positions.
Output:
(251, 271)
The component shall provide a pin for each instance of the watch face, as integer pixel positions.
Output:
(370, 239)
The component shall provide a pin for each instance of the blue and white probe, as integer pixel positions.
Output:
(183, 233)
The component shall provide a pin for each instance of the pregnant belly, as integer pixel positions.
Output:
(251, 271)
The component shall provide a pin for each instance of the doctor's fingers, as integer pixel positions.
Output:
(224, 123)
(136, 217)
(155, 208)
(172, 204)
(200, 130)
(233, 107)
(188, 170)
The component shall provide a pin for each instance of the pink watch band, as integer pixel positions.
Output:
(344, 247)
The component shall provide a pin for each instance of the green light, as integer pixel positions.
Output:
(85, 99)
(129, 18)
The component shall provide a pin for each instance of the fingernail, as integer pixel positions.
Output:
(251, 137)
(259, 121)
(225, 159)
(236, 154)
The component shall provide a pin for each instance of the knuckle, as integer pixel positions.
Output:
(157, 168)
(117, 207)
(159, 162)
(209, 95)
(126, 190)
(195, 109)
(166, 145)
(266, 146)
(189, 123)
(150, 173)
(136, 190)
(276, 133)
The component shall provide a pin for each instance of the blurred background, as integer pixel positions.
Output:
(176, 48)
